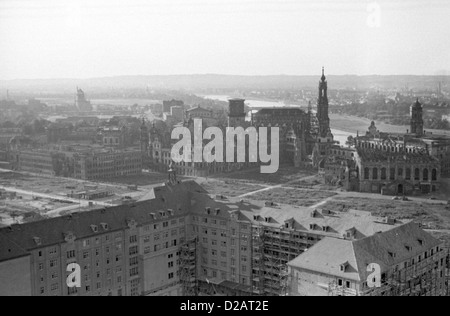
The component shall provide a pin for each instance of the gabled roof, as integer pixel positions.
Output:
(198, 108)
(386, 249)
(52, 231)
(10, 250)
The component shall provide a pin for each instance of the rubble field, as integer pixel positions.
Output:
(295, 197)
(230, 188)
(254, 176)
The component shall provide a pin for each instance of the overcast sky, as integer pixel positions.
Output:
(95, 38)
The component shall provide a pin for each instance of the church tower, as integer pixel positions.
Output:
(417, 119)
(145, 140)
(325, 139)
(322, 107)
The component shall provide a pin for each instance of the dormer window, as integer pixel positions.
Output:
(326, 228)
(312, 226)
(208, 210)
(217, 211)
(37, 241)
(392, 254)
(170, 212)
(94, 228)
(420, 241)
(104, 226)
(350, 233)
(408, 248)
(153, 215)
(343, 267)
(267, 219)
(131, 223)
(162, 214)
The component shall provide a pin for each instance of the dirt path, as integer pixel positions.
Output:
(277, 186)
(54, 197)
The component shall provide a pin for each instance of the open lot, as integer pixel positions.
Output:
(145, 179)
(53, 185)
(230, 188)
(254, 176)
(296, 197)
(32, 197)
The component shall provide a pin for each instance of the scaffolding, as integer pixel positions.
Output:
(425, 278)
(273, 248)
(188, 268)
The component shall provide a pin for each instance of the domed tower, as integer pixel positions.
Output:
(236, 115)
(417, 119)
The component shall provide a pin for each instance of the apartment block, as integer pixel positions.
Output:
(126, 250)
(180, 240)
(412, 263)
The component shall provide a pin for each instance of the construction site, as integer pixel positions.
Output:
(425, 278)
(273, 248)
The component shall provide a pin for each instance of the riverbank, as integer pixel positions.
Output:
(354, 124)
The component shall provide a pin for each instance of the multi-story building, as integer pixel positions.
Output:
(397, 173)
(126, 250)
(43, 161)
(412, 263)
(414, 140)
(412, 163)
(104, 164)
(114, 137)
(296, 141)
(177, 240)
(206, 115)
(82, 162)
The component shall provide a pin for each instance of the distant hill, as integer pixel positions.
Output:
(212, 81)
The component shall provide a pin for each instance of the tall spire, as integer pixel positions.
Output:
(323, 74)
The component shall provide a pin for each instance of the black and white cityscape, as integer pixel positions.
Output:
(224, 148)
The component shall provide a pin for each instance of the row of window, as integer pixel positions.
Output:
(382, 174)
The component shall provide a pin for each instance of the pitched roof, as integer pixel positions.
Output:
(386, 249)
(52, 231)
(10, 250)
(198, 108)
